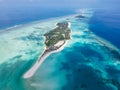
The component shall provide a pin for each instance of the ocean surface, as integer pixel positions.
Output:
(10, 17)
(106, 24)
(89, 61)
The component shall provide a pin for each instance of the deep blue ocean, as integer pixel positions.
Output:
(106, 24)
(16, 16)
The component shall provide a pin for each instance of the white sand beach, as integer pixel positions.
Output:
(59, 43)
(40, 60)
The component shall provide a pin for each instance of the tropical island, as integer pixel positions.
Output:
(55, 41)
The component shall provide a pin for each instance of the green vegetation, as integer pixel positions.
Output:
(61, 32)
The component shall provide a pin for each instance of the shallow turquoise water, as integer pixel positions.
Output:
(86, 63)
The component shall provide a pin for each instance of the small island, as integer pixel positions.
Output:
(57, 37)
(80, 16)
(55, 41)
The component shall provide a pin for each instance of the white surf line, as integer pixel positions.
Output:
(106, 43)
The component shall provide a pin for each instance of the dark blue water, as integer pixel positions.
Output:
(106, 24)
(16, 16)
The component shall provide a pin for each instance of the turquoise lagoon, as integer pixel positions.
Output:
(86, 63)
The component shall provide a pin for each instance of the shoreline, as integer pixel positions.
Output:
(40, 60)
